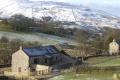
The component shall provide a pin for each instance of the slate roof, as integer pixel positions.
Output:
(41, 51)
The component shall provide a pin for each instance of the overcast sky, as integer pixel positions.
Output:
(88, 2)
(110, 6)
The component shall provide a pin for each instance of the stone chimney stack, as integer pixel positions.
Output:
(20, 48)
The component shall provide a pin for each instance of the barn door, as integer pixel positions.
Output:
(19, 69)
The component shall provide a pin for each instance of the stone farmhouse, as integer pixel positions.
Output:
(37, 60)
(114, 48)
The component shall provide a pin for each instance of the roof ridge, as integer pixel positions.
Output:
(40, 46)
(41, 50)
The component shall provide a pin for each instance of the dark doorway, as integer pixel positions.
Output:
(36, 61)
(19, 69)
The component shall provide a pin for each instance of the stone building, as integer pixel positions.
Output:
(114, 48)
(37, 60)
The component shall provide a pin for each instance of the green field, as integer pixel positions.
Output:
(95, 75)
(38, 37)
(104, 61)
(87, 76)
(7, 31)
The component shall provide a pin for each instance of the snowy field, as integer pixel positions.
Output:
(39, 37)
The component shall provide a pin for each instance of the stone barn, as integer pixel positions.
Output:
(114, 48)
(37, 60)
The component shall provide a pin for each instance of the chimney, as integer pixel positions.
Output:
(20, 47)
(114, 40)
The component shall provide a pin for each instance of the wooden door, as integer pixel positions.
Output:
(19, 69)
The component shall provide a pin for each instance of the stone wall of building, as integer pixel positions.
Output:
(20, 63)
(56, 58)
(113, 48)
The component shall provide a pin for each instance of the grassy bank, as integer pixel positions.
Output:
(85, 76)
(105, 61)
(32, 37)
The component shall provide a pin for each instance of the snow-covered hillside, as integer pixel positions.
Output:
(84, 18)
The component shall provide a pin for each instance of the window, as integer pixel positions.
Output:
(56, 58)
(32, 70)
(19, 69)
(46, 60)
(36, 61)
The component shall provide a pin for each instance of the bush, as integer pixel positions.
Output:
(4, 39)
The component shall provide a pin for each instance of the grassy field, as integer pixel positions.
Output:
(7, 31)
(87, 76)
(104, 61)
(5, 27)
(95, 75)
(38, 37)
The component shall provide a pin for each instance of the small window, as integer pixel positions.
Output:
(36, 61)
(46, 60)
(19, 69)
(32, 70)
(56, 58)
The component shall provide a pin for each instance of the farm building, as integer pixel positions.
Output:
(38, 60)
(114, 47)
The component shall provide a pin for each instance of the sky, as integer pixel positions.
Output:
(88, 2)
(110, 6)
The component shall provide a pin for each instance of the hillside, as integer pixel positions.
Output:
(104, 61)
(83, 17)
(36, 37)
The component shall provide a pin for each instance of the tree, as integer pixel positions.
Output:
(21, 23)
(47, 18)
(109, 35)
(83, 47)
(81, 36)
(4, 21)
(4, 39)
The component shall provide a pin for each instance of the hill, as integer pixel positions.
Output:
(36, 37)
(82, 17)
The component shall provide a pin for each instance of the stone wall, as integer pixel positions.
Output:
(20, 63)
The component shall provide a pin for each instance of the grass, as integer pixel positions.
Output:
(7, 31)
(113, 62)
(34, 37)
(5, 27)
(87, 76)
(104, 61)
(8, 28)
(43, 38)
